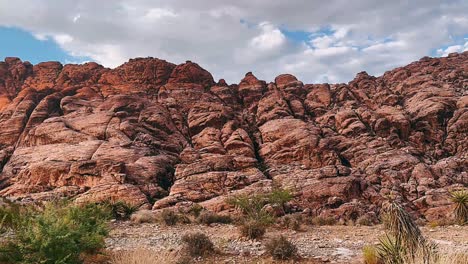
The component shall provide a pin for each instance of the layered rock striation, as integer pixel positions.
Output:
(157, 135)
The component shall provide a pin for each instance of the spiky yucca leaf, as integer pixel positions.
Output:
(390, 250)
(460, 198)
(403, 228)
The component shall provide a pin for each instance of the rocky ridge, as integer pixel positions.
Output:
(158, 135)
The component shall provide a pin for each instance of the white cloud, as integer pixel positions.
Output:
(360, 35)
(451, 49)
(159, 13)
(62, 39)
(271, 38)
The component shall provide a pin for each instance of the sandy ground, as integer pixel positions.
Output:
(318, 244)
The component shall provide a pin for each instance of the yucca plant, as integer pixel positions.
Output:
(390, 250)
(460, 198)
(402, 227)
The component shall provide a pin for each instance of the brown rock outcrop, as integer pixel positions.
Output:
(157, 134)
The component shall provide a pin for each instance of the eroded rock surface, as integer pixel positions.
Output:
(157, 134)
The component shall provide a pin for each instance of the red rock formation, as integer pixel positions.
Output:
(155, 134)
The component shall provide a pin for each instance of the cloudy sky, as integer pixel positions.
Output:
(318, 41)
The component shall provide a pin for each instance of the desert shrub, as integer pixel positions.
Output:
(144, 216)
(364, 221)
(122, 210)
(252, 207)
(281, 248)
(323, 221)
(183, 219)
(59, 233)
(10, 216)
(195, 210)
(198, 244)
(291, 221)
(252, 229)
(208, 218)
(169, 217)
(279, 197)
(460, 198)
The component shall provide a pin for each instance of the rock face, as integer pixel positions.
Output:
(156, 135)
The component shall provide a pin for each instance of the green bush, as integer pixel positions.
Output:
(253, 206)
(280, 248)
(10, 215)
(122, 210)
(279, 197)
(198, 244)
(208, 218)
(58, 233)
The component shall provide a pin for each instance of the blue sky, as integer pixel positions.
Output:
(315, 40)
(15, 42)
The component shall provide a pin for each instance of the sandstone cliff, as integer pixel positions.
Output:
(157, 134)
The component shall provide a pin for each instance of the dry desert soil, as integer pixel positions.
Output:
(316, 244)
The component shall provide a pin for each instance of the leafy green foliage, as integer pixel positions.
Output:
(253, 206)
(256, 218)
(58, 233)
(281, 248)
(10, 215)
(460, 198)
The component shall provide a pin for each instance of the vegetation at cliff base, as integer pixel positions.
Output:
(56, 233)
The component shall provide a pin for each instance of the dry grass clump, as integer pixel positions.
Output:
(291, 221)
(195, 210)
(144, 216)
(170, 218)
(208, 218)
(364, 221)
(370, 255)
(444, 257)
(323, 221)
(198, 244)
(144, 256)
(281, 248)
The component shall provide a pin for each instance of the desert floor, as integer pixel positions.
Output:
(316, 244)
